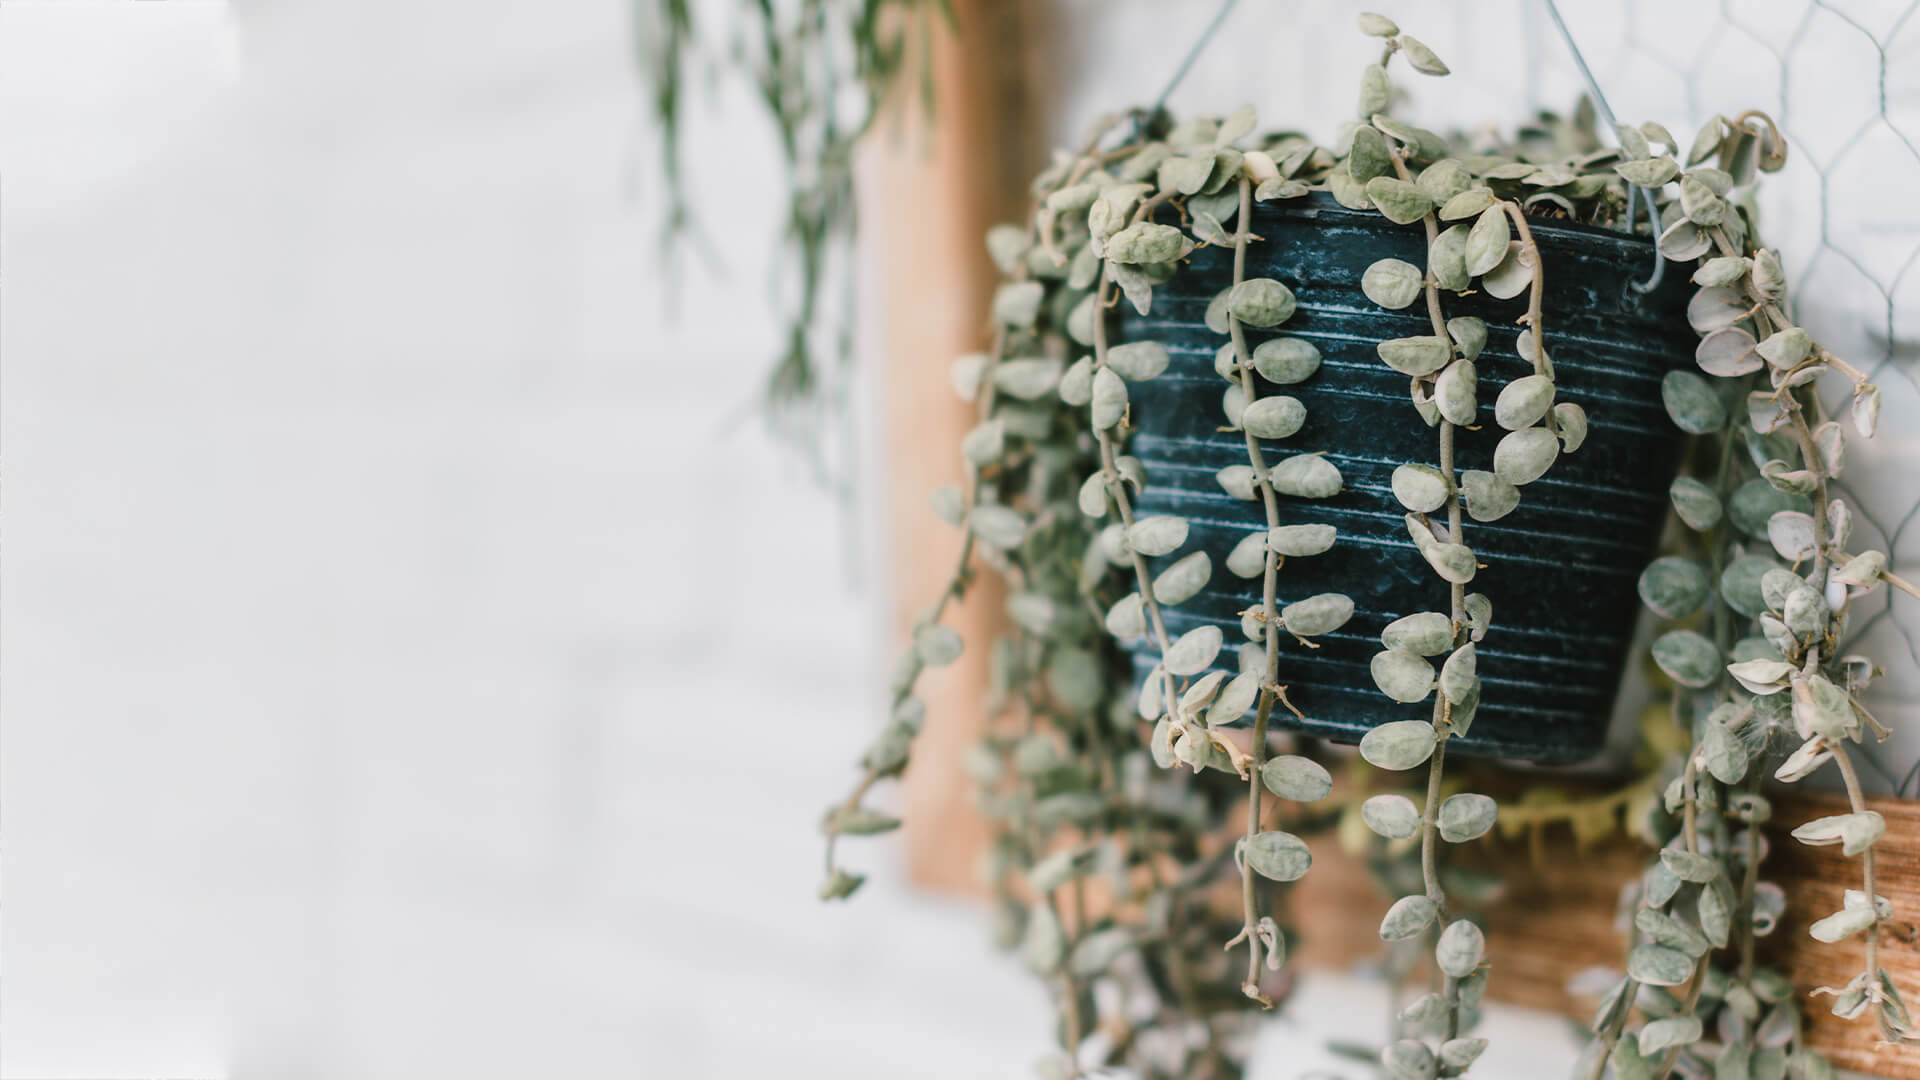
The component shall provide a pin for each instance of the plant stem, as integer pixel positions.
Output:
(1536, 291)
(1270, 688)
(1070, 990)
(1429, 817)
(1857, 802)
(1116, 485)
(1901, 584)
(1687, 1007)
(956, 579)
(859, 792)
(1117, 488)
(1749, 883)
(1457, 592)
(1611, 1037)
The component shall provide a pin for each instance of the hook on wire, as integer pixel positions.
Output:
(1606, 113)
(1186, 64)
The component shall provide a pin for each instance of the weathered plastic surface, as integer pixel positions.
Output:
(1560, 570)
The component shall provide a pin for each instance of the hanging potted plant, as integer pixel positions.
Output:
(1282, 439)
(1376, 441)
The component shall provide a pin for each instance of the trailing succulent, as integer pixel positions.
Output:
(1126, 815)
(1754, 598)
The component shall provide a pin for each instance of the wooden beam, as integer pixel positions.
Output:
(940, 186)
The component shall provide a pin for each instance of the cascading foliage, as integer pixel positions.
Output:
(1133, 836)
(1754, 602)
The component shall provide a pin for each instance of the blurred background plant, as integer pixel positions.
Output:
(823, 72)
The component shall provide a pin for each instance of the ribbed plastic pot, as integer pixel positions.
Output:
(1561, 570)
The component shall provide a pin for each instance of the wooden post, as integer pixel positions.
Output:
(940, 186)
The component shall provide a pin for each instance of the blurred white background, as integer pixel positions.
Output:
(419, 662)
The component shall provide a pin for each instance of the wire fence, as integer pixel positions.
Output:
(1840, 79)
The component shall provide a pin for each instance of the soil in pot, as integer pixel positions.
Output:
(1561, 569)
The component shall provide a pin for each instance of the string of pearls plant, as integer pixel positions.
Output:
(1756, 602)
(1116, 843)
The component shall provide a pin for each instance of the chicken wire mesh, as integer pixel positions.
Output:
(1842, 78)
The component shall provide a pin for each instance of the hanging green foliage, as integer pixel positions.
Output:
(1123, 807)
(822, 70)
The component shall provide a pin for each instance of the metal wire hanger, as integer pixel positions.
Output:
(1212, 29)
(1613, 126)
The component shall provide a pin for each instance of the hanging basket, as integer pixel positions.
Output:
(1561, 570)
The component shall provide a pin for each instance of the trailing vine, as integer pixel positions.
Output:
(1117, 845)
(1444, 390)
(1756, 601)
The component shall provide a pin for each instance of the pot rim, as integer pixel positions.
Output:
(1318, 201)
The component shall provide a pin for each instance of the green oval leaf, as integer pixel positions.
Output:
(1523, 402)
(1275, 417)
(1137, 361)
(1305, 476)
(1319, 614)
(1403, 676)
(1466, 816)
(1281, 856)
(1158, 535)
(1692, 403)
(1487, 241)
(1398, 745)
(1194, 650)
(1696, 503)
(1416, 356)
(1392, 283)
(1408, 916)
(1420, 488)
(1299, 779)
(1658, 965)
(1183, 580)
(1286, 360)
(1688, 658)
(1260, 302)
(1401, 202)
(1426, 633)
(1674, 586)
(1525, 456)
(1461, 948)
(1296, 541)
(1148, 242)
(1392, 816)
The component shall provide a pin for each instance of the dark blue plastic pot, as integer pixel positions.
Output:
(1560, 570)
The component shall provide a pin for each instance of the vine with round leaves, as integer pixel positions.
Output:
(1756, 603)
(1499, 251)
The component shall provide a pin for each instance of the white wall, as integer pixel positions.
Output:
(379, 564)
